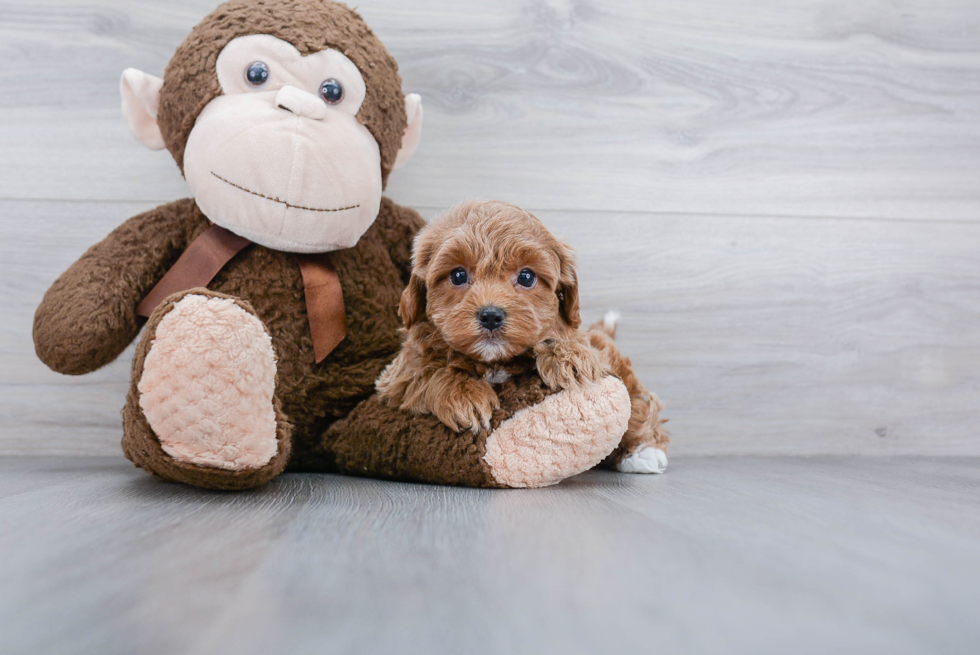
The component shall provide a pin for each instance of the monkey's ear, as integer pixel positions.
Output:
(411, 309)
(140, 98)
(413, 132)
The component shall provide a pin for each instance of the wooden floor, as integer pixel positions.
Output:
(721, 555)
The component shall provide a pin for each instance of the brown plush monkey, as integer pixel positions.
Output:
(269, 300)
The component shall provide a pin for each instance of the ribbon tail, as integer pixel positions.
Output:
(324, 303)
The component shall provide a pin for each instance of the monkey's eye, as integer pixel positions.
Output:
(331, 91)
(257, 73)
(459, 277)
(526, 278)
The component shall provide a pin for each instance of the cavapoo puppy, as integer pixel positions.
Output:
(493, 294)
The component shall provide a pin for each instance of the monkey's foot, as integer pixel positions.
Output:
(565, 434)
(207, 385)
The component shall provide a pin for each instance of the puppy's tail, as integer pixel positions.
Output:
(607, 325)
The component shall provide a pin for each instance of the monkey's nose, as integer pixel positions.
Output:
(491, 317)
(301, 103)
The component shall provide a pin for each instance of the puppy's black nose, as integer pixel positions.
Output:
(491, 317)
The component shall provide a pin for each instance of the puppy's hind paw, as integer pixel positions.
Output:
(645, 460)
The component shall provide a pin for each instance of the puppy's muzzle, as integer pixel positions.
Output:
(491, 318)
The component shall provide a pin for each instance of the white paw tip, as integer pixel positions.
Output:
(610, 320)
(644, 460)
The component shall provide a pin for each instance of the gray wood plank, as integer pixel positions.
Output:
(765, 335)
(809, 108)
(734, 555)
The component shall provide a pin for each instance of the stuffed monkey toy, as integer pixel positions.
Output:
(268, 301)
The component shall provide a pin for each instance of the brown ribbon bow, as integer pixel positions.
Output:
(215, 247)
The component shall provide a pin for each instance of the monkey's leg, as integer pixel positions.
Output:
(537, 438)
(202, 407)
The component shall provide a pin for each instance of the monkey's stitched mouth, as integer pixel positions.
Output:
(282, 202)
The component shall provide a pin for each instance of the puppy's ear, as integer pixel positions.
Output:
(568, 302)
(411, 309)
(568, 287)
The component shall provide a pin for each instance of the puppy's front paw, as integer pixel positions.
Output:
(467, 407)
(566, 363)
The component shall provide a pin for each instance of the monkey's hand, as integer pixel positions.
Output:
(564, 363)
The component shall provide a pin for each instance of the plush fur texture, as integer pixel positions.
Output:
(142, 446)
(532, 448)
(207, 385)
(189, 82)
(379, 440)
(450, 359)
(88, 317)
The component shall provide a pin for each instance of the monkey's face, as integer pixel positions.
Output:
(280, 158)
(287, 149)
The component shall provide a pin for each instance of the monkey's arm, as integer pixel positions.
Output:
(398, 226)
(88, 316)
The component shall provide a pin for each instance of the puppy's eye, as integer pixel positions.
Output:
(459, 277)
(257, 73)
(526, 278)
(331, 91)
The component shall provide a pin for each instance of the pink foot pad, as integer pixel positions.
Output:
(567, 433)
(207, 385)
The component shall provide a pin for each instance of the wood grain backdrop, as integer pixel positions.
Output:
(781, 197)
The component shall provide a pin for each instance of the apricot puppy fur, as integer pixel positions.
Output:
(493, 293)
